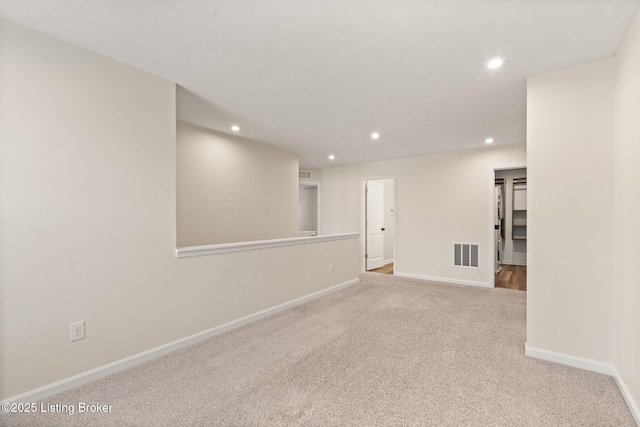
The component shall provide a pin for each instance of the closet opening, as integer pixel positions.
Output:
(510, 228)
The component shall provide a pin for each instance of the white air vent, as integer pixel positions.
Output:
(465, 255)
(304, 175)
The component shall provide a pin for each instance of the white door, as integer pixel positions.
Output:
(375, 229)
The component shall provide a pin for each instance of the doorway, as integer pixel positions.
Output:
(309, 209)
(378, 225)
(510, 227)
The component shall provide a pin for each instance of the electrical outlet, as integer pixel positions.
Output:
(330, 267)
(77, 331)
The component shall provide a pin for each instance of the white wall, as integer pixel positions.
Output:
(570, 211)
(441, 199)
(627, 209)
(388, 220)
(515, 251)
(583, 123)
(87, 221)
(230, 189)
(316, 174)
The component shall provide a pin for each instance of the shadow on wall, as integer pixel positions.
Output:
(230, 189)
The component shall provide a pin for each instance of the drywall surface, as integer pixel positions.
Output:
(627, 208)
(316, 174)
(88, 217)
(230, 189)
(440, 199)
(570, 163)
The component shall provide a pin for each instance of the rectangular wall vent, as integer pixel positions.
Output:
(465, 255)
(304, 175)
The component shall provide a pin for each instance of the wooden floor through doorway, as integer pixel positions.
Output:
(512, 277)
(387, 269)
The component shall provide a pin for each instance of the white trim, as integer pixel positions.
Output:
(589, 365)
(633, 408)
(102, 371)
(444, 280)
(259, 244)
(491, 258)
(565, 359)
(509, 166)
(492, 238)
(363, 207)
(520, 263)
(388, 261)
(318, 186)
(319, 213)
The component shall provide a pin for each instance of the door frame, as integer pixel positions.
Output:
(316, 184)
(375, 225)
(363, 216)
(492, 239)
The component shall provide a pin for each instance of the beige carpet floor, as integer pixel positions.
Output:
(384, 352)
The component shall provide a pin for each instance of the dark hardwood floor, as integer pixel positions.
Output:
(512, 277)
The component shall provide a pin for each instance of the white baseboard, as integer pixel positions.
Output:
(102, 371)
(521, 263)
(443, 280)
(388, 261)
(627, 397)
(565, 359)
(589, 365)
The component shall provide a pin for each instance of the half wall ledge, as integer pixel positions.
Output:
(189, 251)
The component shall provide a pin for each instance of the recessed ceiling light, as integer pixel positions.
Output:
(489, 140)
(495, 63)
(235, 128)
(332, 157)
(375, 135)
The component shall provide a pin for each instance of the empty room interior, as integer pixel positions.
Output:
(319, 213)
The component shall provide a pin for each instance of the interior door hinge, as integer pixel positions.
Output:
(366, 256)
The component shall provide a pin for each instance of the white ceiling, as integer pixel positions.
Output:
(317, 77)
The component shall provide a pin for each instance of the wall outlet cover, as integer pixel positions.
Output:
(77, 331)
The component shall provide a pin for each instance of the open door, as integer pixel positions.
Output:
(375, 230)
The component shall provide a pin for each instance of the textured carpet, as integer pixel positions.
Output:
(385, 352)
